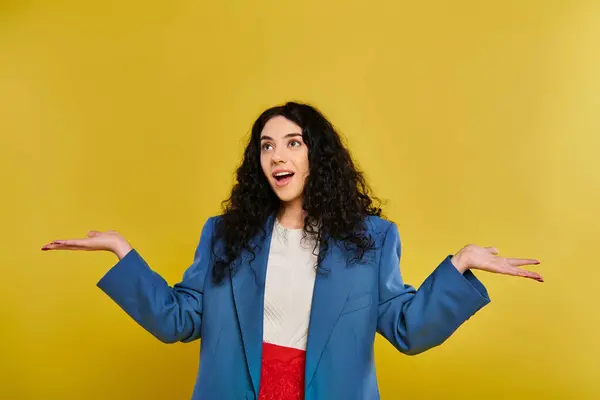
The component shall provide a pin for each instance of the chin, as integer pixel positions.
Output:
(287, 197)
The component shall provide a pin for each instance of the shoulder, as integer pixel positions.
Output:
(209, 225)
(382, 231)
(212, 220)
(384, 234)
(379, 226)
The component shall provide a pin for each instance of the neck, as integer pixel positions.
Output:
(291, 215)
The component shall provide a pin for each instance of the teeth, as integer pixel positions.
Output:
(283, 173)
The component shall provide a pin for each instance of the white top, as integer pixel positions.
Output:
(289, 288)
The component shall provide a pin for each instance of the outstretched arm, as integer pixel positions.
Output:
(171, 314)
(417, 320)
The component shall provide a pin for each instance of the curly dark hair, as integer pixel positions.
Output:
(336, 196)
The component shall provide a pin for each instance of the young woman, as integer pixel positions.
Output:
(290, 284)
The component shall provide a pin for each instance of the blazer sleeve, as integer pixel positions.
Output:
(417, 320)
(171, 314)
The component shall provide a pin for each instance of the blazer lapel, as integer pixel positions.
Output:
(329, 297)
(248, 285)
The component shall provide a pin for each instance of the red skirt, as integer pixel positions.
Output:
(282, 373)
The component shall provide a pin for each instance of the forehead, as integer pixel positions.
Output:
(280, 126)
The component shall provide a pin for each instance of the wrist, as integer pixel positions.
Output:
(121, 250)
(459, 263)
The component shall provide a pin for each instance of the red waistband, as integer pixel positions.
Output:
(282, 373)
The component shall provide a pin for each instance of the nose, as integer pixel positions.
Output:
(277, 157)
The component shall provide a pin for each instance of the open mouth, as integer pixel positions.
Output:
(283, 178)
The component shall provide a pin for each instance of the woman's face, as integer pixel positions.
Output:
(284, 158)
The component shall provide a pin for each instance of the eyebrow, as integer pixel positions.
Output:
(289, 135)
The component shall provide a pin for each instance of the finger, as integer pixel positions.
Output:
(523, 273)
(492, 250)
(60, 247)
(93, 233)
(75, 242)
(52, 246)
(518, 262)
(538, 279)
(63, 244)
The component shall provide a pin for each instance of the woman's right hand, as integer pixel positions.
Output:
(108, 241)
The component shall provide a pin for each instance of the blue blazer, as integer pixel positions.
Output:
(351, 302)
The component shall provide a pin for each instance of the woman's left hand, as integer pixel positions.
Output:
(487, 259)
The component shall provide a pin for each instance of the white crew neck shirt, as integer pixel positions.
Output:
(289, 288)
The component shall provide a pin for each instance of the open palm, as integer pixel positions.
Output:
(96, 241)
(487, 259)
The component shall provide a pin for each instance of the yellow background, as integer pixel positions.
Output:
(476, 121)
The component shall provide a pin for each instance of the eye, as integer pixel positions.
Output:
(267, 146)
(295, 143)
